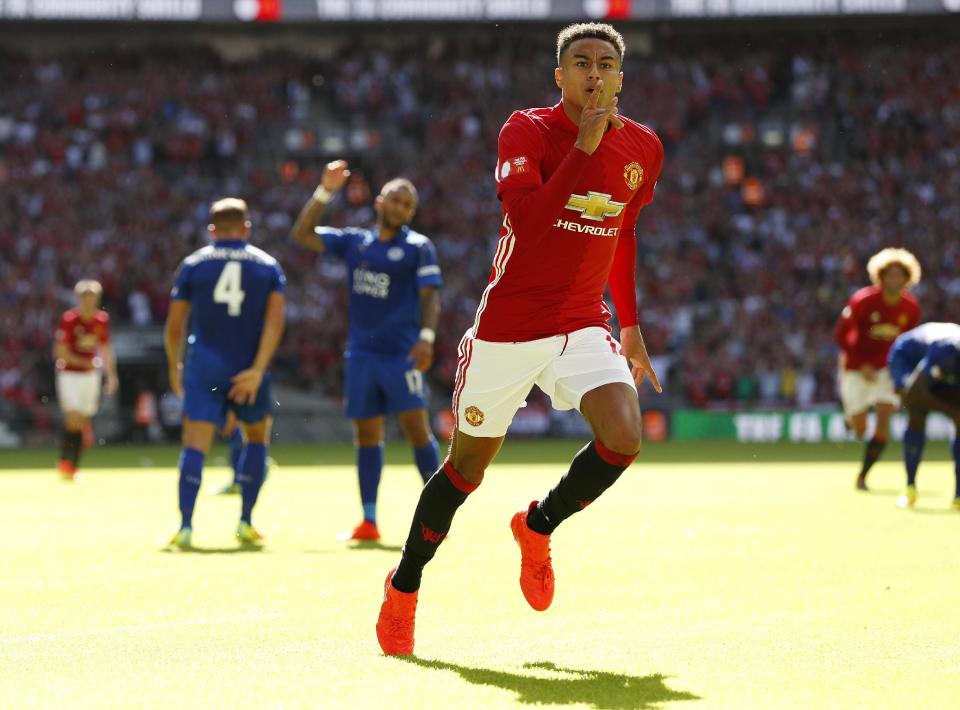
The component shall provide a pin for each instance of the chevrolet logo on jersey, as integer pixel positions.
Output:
(884, 331)
(595, 205)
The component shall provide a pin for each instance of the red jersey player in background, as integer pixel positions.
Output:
(82, 351)
(572, 179)
(873, 318)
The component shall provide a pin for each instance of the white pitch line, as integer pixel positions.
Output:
(53, 635)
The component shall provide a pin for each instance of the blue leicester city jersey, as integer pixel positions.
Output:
(937, 347)
(384, 279)
(227, 284)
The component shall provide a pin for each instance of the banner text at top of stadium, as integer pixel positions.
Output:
(426, 10)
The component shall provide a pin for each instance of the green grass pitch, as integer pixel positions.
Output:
(698, 581)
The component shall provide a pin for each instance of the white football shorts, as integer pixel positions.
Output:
(494, 379)
(859, 394)
(79, 391)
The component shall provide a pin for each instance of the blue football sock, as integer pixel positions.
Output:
(191, 472)
(955, 450)
(369, 468)
(235, 442)
(428, 459)
(913, 442)
(253, 463)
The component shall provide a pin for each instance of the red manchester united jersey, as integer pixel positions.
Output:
(563, 214)
(869, 325)
(84, 337)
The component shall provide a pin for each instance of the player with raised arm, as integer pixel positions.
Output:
(872, 319)
(82, 354)
(925, 367)
(232, 295)
(393, 279)
(572, 179)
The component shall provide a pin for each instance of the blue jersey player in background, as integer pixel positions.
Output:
(232, 295)
(925, 367)
(394, 305)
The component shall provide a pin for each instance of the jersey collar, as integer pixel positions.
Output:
(400, 236)
(84, 319)
(563, 119)
(230, 243)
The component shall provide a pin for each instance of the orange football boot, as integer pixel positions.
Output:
(67, 469)
(366, 531)
(536, 569)
(397, 617)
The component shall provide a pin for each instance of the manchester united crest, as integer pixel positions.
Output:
(633, 174)
(473, 416)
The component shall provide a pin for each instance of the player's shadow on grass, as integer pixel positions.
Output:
(923, 510)
(213, 550)
(885, 492)
(374, 545)
(597, 689)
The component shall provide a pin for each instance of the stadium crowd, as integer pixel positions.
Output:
(789, 163)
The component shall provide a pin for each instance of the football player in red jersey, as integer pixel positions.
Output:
(572, 179)
(873, 318)
(82, 351)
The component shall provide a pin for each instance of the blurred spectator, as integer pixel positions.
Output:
(789, 162)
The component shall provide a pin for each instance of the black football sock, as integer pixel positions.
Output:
(70, 449)
(594, 469)
(441, 496)
(66, 446)
(873, 452)
(79, 448)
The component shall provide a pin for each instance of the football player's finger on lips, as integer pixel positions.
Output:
(594, 99)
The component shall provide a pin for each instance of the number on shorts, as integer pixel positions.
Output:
(228, 288)
(414, 382)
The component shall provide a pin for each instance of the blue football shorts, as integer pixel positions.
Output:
(205, 400)
(382, 384)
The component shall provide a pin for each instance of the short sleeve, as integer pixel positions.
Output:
(428, 270)
(181, 284)
(105, 329)
(335, 241)
(279, 281)
(520, 150)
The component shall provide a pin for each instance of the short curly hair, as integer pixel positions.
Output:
(894, 256)
(590, 30)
